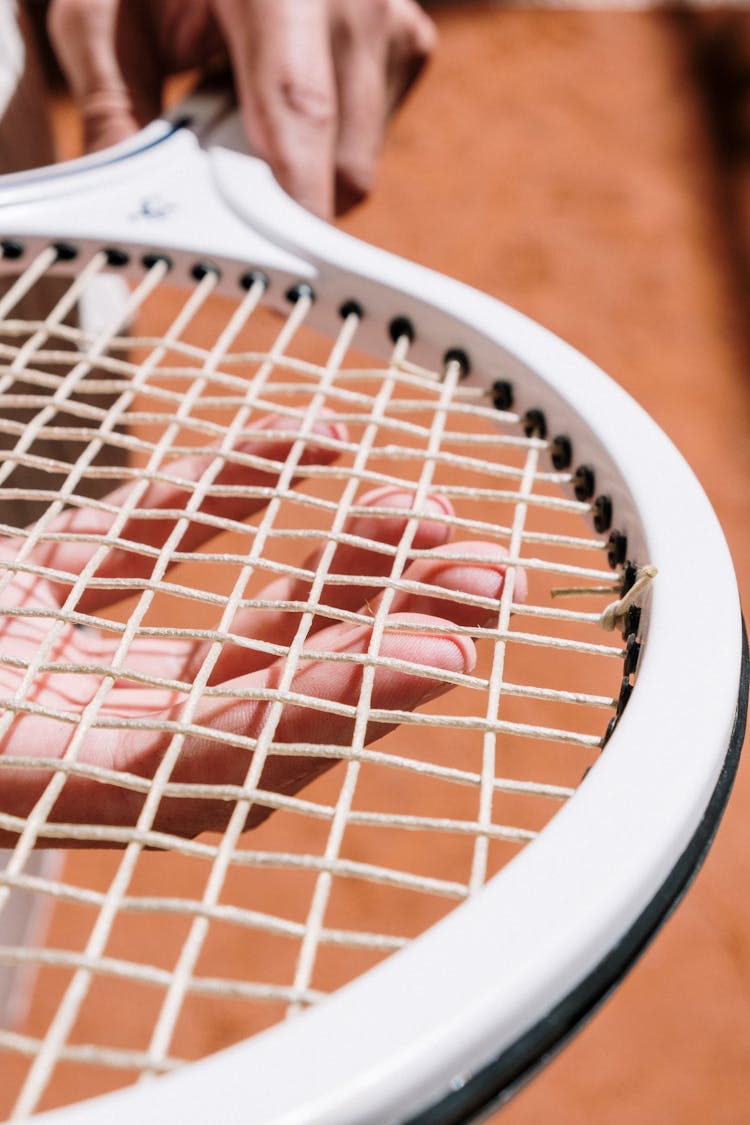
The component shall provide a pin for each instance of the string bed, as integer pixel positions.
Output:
(152, 948)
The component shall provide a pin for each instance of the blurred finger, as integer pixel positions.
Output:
(412, 669)
(412, 42)
(281, 56)
(84, 36)
(359, 38)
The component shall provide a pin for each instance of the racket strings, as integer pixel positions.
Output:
(321, 894)
(407, 428)
(185, 966)
(94, 580)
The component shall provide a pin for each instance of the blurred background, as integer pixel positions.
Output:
(592, 168)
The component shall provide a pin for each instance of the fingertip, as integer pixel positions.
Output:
(291, 125)
(382, 524)
(520, 583)
(392, 496)
(416, 638)
(388, 498)
(431, 644)
(107, 116)
(101, 131)
(425, 37)
(324, 425)
(313, 195)
(492, 555)
(353, 185)
(328, 426)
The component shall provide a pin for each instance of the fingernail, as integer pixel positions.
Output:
(289, 423)
(492, 555)
(390, 496)
(440, 649)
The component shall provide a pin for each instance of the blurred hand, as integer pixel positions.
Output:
(317, 79)
(82, 658)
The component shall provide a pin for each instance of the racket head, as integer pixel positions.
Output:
(468, 1008)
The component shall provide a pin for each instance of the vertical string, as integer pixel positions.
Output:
(478, 874)
(21, 286)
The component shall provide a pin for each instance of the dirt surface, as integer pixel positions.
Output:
(570, 163)
(565, 163)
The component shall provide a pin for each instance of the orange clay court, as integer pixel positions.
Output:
(593, 170)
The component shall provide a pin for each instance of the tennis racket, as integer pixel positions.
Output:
(377, 662)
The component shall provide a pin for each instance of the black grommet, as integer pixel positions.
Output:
(602, 513)
(609, 731)
(534, 424)
(401, 326)
(632, 652)
(502, 394)
(351, 308)
(459, 356)
(626, 690)
(629, 576)
(299, 291)
(632, 621)
(65, 251)
(12, 248)
(116, 257)
(561, 452)
(202, 269)
(584, 482)
(150, 260)
(617, 548)
(254, 277)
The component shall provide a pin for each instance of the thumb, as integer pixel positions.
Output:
(84, 36)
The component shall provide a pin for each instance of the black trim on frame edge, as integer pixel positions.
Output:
(495, 1084)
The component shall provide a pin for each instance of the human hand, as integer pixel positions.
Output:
(129, 727)
(317, 82)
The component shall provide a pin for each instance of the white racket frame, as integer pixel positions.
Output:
(419, 1027)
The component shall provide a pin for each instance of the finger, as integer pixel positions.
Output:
(360, 53)
(412, 43)
(464, 590)
(84, 35)
(462, 584)
(281, 56)
(380, 527)
(429, 655)
(171, 498)
(379, 49)
(413, 668)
